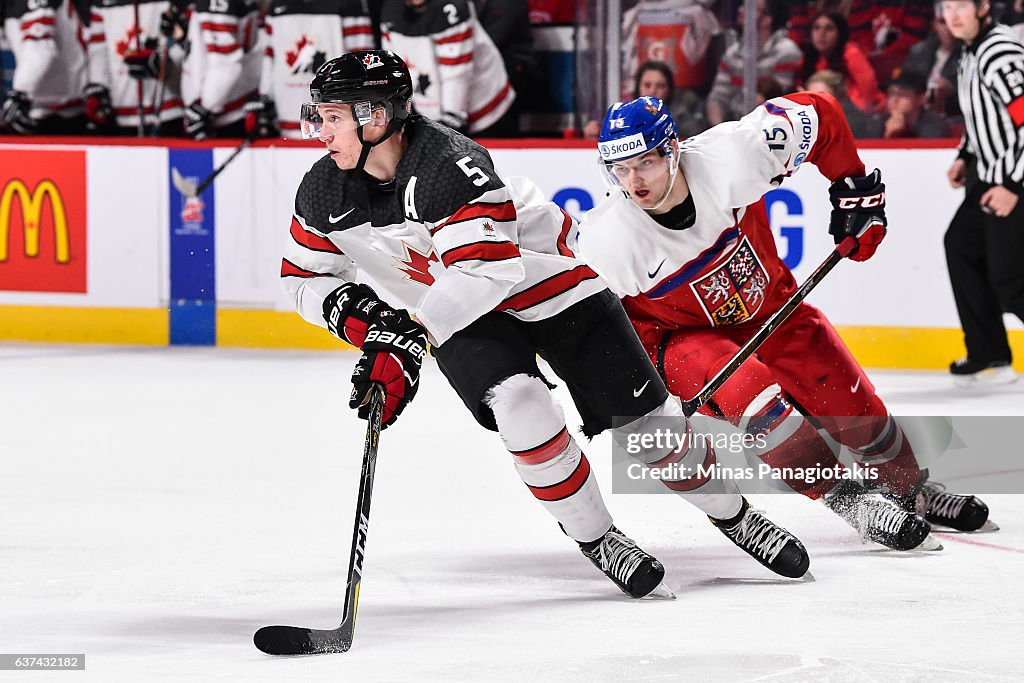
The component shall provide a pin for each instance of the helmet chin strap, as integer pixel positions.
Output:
(393, 126)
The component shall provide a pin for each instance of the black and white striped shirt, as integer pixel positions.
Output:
(991, 92)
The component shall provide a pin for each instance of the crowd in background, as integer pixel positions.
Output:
(231, 68)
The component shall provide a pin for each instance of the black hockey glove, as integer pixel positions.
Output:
(16, 113)
(858, 211)
(198, 121)
(350, 310)
(392, 355)
(99, 113)
(261, 118)
(143, 63)
(174, 23)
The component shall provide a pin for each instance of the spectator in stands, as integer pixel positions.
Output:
(655, 79)
(777, 56)
(49, 71)
(507, 22)
(864, 126)
(830, 48)
(938, 56)
(298, 38)
(222, 70)
(458, 75)
(907, 115)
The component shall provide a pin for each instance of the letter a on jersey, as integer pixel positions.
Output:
(410, 206)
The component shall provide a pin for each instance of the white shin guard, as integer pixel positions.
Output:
(546, 457)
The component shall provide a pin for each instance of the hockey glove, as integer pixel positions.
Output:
(174, 23)
(143, 63)
(350, 310)
(99, 113)
(198, 121)
(392, 355)
(261, 118)
(15, 113)
(858, 211)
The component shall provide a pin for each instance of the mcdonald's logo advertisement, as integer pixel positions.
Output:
(42, 221)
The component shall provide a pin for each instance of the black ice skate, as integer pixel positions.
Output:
(765, 541)
(953, 510)
(970, 372)
(880, 520)
(634, 571)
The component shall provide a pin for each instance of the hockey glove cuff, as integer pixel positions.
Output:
(198, 121)
(261, 118)
(99, 113)
(143, 63)
(858, 211)
(392, 356)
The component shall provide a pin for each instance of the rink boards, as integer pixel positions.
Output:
(98, 245)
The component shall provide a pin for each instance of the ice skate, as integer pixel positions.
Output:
(627, 565)
(971, 373)
(880, 520)
(953, 510)
(765, 541)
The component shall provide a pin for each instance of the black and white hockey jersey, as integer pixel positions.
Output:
(449, 240)
(300, 35)
(457, 72)
(48, 40)
(113, 32)
(222, 68)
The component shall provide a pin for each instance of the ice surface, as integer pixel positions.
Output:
(159, 505)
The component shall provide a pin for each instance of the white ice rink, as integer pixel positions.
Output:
(159, 505)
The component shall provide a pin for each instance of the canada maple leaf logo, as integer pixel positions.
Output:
(417, 264)
(132, 39)
(292, 56)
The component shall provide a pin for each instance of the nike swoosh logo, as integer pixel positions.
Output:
(278, 10)
(856, 385)
(335, 219)
(637, 392)
(652, 275)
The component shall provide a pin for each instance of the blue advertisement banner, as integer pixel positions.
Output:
(193, 306)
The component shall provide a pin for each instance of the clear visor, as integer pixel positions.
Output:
(332, 118)
(648, 166)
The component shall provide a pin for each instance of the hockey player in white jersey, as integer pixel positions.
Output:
(684, 237)
(126, 57)
(458, 74)
(299, 37)
(46, 37)
(480, 265)
(221, 70)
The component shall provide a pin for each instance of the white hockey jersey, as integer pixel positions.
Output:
(49, 44)
(113, 32)
(458, 74)
(222, 67)
(725, 268)
(450, 243)
(300, 35)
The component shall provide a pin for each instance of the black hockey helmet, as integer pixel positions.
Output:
(369, 76)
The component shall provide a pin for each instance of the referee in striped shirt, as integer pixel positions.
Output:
(985, 240)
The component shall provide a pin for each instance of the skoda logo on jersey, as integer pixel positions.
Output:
(371, 61)
(626, 147)
(799, 159)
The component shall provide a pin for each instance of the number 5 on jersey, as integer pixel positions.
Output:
(472, 171)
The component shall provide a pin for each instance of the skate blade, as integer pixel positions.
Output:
(661, 592)
(988, 527)
(930, 544)
(808, 577)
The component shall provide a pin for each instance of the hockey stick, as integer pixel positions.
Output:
(295, 640)
(694, 404)
(138, 84)
(190, 189)
(161, 79)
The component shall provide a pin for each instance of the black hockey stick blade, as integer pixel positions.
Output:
(694, 404)
(296, 640)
